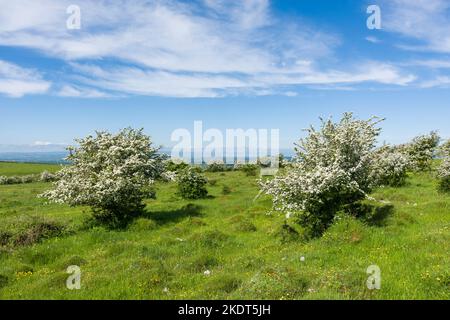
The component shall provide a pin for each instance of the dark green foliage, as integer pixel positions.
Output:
(444, 185)
(375, 214)
(3, 281)
(175, 166)
(250, 170)
(287, 233)
(38, 231)
(226, 190)
(216, 167)
(191, 185)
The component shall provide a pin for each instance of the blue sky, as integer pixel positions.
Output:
(162, 65)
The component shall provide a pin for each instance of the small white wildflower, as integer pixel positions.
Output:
(302, 258)
(165, 290)
(207, 273)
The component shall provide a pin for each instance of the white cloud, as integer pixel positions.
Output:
(161, 83)
(16, 81)
(160, 34)
(208, 48)
(42, 143)
(80, 92)
(424, 20)
(441, 82)
(430, 63)
(373, 39)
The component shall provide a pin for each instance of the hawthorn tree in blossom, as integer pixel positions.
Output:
(332, 169)
(110, 173)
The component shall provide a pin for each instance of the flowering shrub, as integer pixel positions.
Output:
(18, 179)
(444, 176)
(389, 167)
(191, 184)
(272, 161)
(239, 164)
(444, 149)
(265, 162)
(332, 169)
(47, 177)
(110, 173)
(422, 150)
(444, 168)
(216, 166)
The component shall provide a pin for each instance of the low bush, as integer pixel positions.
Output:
(38, 231)
(389, 167)
(444, 149)
(47, 177)
(30, 178)
(191, 185)
(421, 151)
(444, 176)
(175, 165)
(216, 166)
(250, 170)
(18, 179)
(28, 230)
(226, 190)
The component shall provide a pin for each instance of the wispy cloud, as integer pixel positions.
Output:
(17, 82)
(373, 39)
(425, 21)
(144, 82)
(81, 92)
(429, 63)
(207, 48)
(441, 81)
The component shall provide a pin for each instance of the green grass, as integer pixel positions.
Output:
(21, 169)
(249, 254)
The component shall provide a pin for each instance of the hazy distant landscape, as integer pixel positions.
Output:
(36, 157)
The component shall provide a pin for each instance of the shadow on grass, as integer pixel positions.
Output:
(163, 217)
(373, 214)
(159, 217)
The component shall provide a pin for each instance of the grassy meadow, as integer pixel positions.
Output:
(250, 253)
(21, 169)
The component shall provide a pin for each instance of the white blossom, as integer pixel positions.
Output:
(332, 168)
(109, 172)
